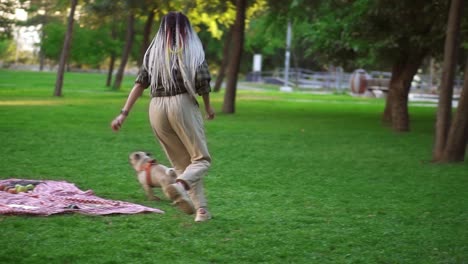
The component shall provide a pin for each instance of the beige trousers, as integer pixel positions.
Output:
(178, 125)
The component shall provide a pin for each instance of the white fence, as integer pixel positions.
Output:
(339, 80)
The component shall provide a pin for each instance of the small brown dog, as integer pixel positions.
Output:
(151, 174)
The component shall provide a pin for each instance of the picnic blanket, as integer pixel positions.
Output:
(54, 197)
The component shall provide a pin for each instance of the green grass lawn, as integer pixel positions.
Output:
(296, 178)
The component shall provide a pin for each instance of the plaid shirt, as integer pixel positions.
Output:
(202, 82)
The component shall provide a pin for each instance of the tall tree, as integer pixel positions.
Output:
(235, 59)
(224, 63)
(40, 14)
(129, 37)
(7, 14)
(452, 43)
(404, 68)
(148, 10)
(113, 55)
(455, 148)
(65, 49)
(370, 33)
(263, 33)
(106, 13)
(146, 35)
(7, 11)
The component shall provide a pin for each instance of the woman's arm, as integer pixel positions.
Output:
(135, 93)
(210, 114)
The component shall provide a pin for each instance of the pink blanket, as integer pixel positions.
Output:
(53, 197)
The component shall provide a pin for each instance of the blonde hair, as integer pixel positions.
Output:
(176, 46)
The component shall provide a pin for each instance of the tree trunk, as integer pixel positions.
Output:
(146, 36)
(396, 108)
(111, 70)
(458, 135)
(387, 114)
(444, 111)
(41, 60)
(392, 86)
(41, 50)
(126, 51)
(400, 116)
(235, 59)
(65, 49)
(224, 63)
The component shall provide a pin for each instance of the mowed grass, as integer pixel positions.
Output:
(296, 178)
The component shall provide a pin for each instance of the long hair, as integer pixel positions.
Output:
(176, 47)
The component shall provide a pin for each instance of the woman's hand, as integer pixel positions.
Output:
(210, 114)
(117, 122)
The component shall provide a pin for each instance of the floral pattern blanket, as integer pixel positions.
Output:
(44, 197)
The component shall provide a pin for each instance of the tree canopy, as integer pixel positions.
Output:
(7, 18)
(396, 36)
